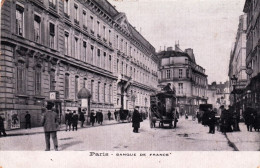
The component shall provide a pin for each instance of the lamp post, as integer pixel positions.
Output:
(237, 116)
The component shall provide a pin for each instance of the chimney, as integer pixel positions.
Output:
(169, 49)
(189, 51)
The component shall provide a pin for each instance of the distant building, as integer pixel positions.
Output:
(179, 68)
(218, 94)
(237, 64)
(252, 95)
(50, 49)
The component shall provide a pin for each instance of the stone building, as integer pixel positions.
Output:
(252, 92)
(50, 49)
(186, 77)
(237, 64)
(218, 94)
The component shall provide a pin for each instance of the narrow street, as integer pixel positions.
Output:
(188, 136)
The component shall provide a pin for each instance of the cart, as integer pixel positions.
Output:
(163, 110)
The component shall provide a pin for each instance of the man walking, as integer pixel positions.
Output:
(136, 120)
(92, 117)
(27, 120)
(75, 119)
(82, 119)
(50, 124)
(109, 115)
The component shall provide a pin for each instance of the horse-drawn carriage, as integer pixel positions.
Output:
(163, 109)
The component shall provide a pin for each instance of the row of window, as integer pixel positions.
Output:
(87, 53)
(168, 74)
(20, 26)
(104, 95)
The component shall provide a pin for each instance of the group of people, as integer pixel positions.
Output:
(251, 119)
(97, 117)
(72, 118)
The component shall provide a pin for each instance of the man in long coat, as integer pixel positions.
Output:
(50, 124)
(75, 119)
(136, 120)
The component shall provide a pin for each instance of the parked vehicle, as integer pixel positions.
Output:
(163, 109)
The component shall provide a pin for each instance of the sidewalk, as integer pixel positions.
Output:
(39, 130)
(244, 140)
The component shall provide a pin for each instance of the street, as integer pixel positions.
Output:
(188, 136)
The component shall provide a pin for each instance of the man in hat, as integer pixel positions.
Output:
(50, 124)
(136, 119)
(68, 119)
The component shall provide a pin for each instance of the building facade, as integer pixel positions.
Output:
(50, 49)
(252, 93)
(237, 65)
(186, 77)
(218, 94)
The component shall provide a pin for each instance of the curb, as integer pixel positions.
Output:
(231, 144)
(42, 132)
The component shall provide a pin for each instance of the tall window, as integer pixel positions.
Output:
(187, 73)
(110, 93)
(37, 28)
(84, 51)
(76, 86)
(109, 35)
(104, 92)
(38, 80)
(122, 68)
(66, 44)
(98, 92)
(92, 54)
(92, 89)
(110, 63)
(180, 88)
(117, 65)
(98, 57)
(52, 35)
(52, 80)
(117, 41)
(19, 20)
(98, 27)
(85, 83)
(104, 61)
(76, 48)
(66, 6)
(21, 78)
(92, 23)
(67, 82)
(180, 73)
(85, 21)
(104, 32)
(168, 74)
(76, 10)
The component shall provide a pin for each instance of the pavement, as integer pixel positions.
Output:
(244, 140)
(112, 136)
(62, 127)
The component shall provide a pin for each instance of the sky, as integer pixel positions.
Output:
(207, 26)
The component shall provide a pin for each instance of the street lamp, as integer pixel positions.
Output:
(234, 84)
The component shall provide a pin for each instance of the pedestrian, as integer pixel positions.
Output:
(97, 117)
(2, 127)
(50, 124)
(27, 120)
(75, 119)
(211, 121)
(82, 119)
(92, 117)
(186, 115)
(100, 117)
(136, 120)
(68, 120)
(115, 113)
(109, 115)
